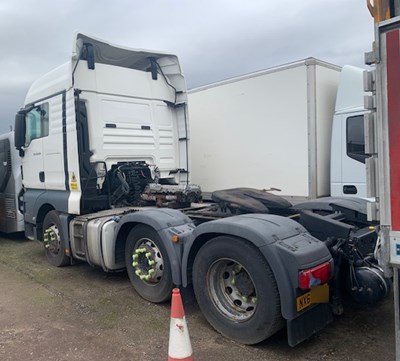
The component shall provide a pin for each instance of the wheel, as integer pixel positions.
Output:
(236, 290)
(53, 242)
(148, 264)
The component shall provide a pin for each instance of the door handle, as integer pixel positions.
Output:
(349, 189)
(41, 176)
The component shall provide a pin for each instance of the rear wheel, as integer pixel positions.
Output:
(53, 241)
(236, 290)
(148, 264)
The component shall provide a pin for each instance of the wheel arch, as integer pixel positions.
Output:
(37, 203)
(273, 236)
(192, 248)
(162, 221)
(41, 215)
(282, 278)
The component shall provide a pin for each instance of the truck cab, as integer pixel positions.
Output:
(94, 132)
(348, 169)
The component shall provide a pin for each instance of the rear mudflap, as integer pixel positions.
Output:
(308, 323)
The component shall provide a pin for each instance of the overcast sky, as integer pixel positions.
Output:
(214, 39)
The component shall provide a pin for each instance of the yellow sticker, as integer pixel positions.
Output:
(74, 182)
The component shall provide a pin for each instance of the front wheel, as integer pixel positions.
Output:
(236, 290)
(53, 241)
(148, 265)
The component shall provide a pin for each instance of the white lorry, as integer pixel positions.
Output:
(296, 127)
(104, 143)
(11, 219)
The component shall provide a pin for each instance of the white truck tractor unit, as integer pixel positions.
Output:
(297, 127)
(104, 144)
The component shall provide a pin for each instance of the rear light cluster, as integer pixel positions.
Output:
(315, 276)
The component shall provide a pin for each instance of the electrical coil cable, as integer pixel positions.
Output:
(123, 189)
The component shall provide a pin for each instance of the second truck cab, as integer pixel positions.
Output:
(348, 172)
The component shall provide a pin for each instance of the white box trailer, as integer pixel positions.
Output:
(269, 129)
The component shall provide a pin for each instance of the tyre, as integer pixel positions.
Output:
(148, 265)
(236, 290)
(53, 241)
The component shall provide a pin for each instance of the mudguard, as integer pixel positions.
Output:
(354, 209)
(285, 244)
(166, 222)
(328, 203)
(64, 220)
(37, 199)
(157, 218)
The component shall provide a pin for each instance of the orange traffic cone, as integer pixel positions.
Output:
(179, 348)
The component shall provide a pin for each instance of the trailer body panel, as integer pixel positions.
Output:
(268, 129)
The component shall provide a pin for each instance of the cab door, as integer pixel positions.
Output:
(37, 129)
(353, 156)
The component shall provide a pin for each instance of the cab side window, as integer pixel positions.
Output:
(355, 138)
(37, 123)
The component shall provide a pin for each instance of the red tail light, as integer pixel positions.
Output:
(315, 276)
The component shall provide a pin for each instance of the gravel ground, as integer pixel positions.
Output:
(82, 313)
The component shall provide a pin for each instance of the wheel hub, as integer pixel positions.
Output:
(232, 290)
(243, 283)
(147, 261)
(51, 239)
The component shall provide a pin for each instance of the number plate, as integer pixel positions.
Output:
(303, 301)
(318, 294)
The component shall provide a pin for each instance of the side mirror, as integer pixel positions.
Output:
(19, 130)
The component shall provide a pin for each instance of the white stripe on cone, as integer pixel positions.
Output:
(179, 341)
